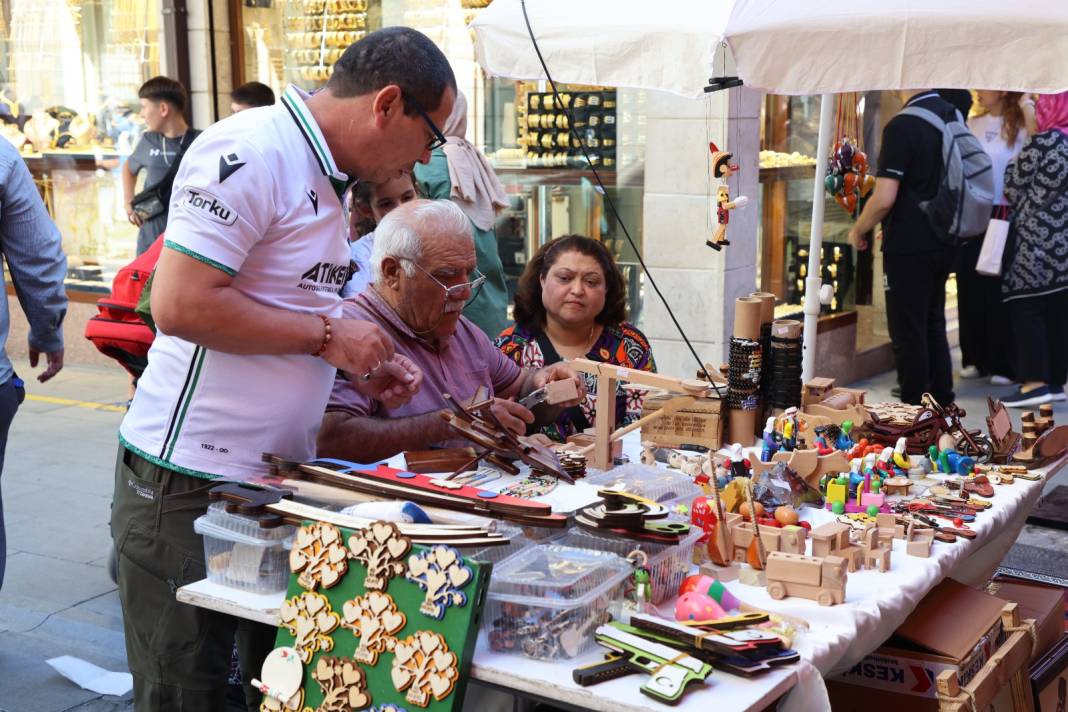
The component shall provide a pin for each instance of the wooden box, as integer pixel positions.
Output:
(698, 424)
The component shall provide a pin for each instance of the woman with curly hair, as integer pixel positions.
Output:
(571, 302)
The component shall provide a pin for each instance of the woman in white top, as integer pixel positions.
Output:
(1002, 130)
(368, 204)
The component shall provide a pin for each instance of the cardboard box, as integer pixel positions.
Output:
(1043, 602)
(954, 627)
(696, 424)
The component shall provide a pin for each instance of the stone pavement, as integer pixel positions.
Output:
(57, 598)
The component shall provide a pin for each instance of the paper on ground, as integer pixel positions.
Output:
(90, 677)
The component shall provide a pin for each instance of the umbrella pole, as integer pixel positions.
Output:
(813, 281)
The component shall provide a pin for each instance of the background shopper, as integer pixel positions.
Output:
(33, 249)
(984, 350)
(1035, 283)
(459, 172)
(163, 143)
(916, 259)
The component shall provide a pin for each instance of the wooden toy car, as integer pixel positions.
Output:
(820, 579)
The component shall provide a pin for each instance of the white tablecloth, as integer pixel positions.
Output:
(838, 637)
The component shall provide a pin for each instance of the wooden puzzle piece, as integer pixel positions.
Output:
(310, 620)
(424, 666)
(381, 549)
(441, 573)
(344, 685)
(319, 556)
(281, 677)
(374, 619)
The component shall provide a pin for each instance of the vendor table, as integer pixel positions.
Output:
(838, 637)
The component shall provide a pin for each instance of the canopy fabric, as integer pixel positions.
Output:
(666, 46)
(819, 46)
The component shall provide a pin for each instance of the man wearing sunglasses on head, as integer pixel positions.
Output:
(425, 271)
(251, 334)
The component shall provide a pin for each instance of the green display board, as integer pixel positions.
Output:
(380, 623)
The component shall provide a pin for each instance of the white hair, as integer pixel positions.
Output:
(400, 234)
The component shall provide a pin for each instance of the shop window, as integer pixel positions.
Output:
(69, 76)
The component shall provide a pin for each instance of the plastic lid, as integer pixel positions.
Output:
(219, 523)
(655, 483)
(553, 575)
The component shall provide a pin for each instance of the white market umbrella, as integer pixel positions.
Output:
(625, 43)
(785, 47)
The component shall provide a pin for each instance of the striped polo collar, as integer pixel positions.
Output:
(293, 99)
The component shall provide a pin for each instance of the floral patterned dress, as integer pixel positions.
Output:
(622, 345)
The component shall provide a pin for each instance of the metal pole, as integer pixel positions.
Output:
(813, 281)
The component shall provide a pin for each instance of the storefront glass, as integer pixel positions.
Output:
(517, 124)
(69, 76)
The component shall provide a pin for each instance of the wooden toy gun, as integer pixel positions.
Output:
(669, 670)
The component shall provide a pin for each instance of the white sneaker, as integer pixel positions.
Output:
(1058, 393)
(969, 372)
(997, 380)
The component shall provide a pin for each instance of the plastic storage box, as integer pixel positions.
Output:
(545, 601)
(667, 487)
(239, 553)
(668, 564)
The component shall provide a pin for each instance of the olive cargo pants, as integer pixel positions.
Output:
(179, 654)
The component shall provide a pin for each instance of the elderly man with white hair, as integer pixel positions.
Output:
(424, 271)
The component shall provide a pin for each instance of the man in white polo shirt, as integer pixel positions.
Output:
(246, 299)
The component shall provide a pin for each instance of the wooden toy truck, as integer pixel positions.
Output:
(820, 579)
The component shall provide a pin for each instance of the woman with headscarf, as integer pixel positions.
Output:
(459, 172)
(1035, 266)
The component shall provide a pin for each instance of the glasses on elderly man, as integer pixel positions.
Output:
(437, 139)
(455, 291)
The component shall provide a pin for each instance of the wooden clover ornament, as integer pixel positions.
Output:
(310, 620)
(440, 571)
(381, 548)
(319, 556)
(344, 685)
(423, 665)
(374, 619)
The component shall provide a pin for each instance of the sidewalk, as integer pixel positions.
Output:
(57, 597)
(57, 482)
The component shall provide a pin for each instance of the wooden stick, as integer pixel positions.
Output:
(645, 378)
(338, 496)
(668, 408)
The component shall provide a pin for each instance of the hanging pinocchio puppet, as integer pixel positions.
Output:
(723, 169)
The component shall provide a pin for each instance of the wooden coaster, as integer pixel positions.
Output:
(381, 548)
(424, 666)
(344, 685)
(374, 619)
(441, 573)
(319, 556)
(309, 618)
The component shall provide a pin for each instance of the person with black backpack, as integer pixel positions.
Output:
(934, 189)
(158, 153)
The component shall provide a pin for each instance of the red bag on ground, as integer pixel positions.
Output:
(118, 330)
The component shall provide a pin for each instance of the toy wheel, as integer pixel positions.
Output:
(776, 590)
(982, 454)
(824, 598)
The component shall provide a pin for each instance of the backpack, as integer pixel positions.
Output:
(960, 210)
(118, 330)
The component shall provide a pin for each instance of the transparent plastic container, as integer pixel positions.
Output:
(241, 554)
(545, 601)
(666, 487)
(668, 564)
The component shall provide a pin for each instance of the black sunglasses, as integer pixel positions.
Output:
(439, 139)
